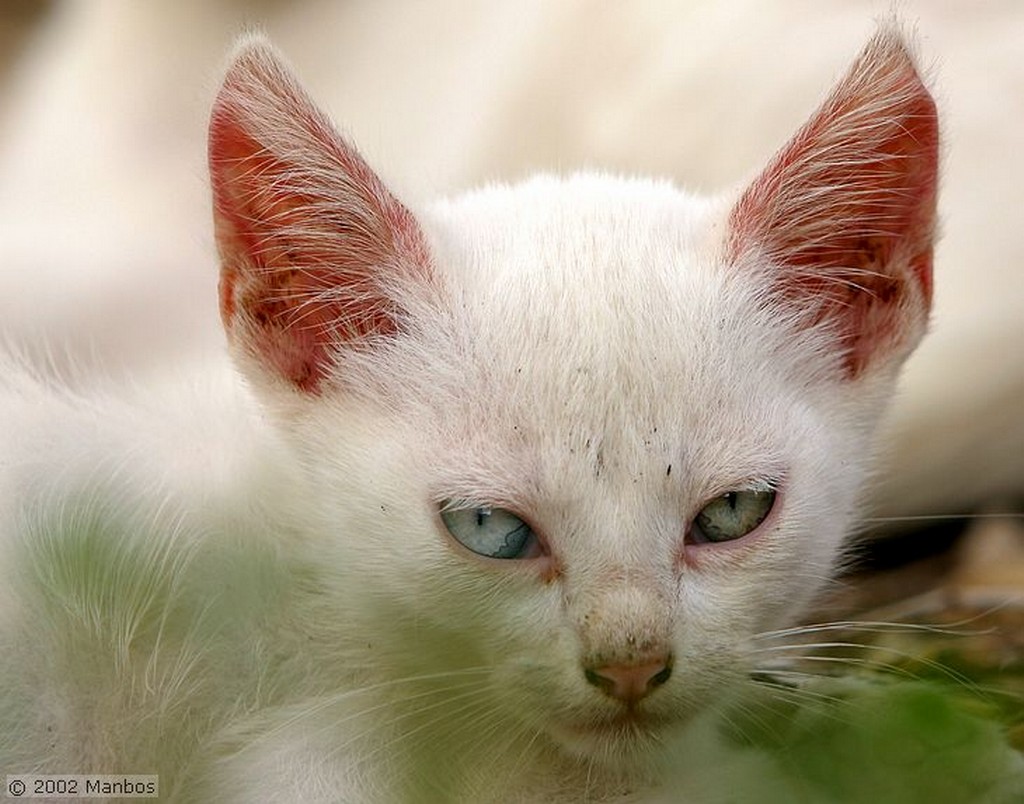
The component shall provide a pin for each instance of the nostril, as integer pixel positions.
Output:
(661, 677)
(630, 682)
(593, 677)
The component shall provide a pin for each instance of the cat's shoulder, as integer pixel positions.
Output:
(187, 437)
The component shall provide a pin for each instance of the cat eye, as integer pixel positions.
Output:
(731, 516)
(491, 532)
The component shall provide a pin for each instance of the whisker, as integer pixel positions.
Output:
(468, 700)
(876, 664)
(942, 517)
(522, 760)
(333, 700)
(796, 691)
(881, 627)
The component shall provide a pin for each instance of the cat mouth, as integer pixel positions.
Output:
(629, 726)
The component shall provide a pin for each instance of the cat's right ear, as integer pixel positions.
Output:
(312, 244)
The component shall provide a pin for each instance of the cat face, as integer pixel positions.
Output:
(533, 472)
(575, 442)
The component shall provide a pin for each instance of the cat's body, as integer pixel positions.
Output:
(272, 592)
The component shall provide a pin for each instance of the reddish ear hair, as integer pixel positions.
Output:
(845, 213)
(309, 238)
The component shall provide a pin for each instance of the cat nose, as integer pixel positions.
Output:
(630, 682)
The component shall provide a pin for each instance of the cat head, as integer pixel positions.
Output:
(584, 436)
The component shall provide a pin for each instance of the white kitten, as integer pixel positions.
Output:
(522, 476)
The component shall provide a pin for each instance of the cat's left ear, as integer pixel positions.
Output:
(843, 218)
(312, 244)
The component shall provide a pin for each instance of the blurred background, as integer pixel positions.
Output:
(106, 250)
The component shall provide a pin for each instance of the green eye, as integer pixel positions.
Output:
(731, 516)
(491, 532)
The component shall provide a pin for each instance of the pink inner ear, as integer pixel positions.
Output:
(291, 292)
(309, 237)
(847, 209)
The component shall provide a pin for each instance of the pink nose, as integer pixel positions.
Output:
(630, 682)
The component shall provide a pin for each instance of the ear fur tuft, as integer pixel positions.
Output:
(845, 212)
(309, 238)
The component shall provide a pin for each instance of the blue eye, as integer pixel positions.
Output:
(490, 532)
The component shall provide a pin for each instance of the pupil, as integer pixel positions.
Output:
(731, 498)
(481, 515)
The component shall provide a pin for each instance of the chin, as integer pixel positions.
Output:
(625, 741)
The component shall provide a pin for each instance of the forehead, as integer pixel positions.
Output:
(581, 268)
(551, 232)
(597, 328)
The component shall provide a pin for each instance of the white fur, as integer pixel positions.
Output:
(253, 595)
